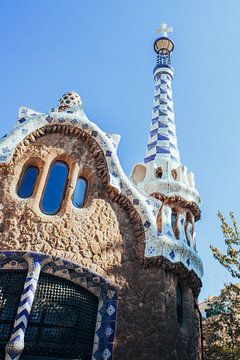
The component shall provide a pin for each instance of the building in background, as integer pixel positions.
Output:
(94, 265)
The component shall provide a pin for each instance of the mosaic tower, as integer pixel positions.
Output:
(94, 265)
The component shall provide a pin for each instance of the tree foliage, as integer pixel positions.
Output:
(230, 260)
(222, 329)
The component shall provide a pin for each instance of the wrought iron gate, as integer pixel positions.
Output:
(62, 321)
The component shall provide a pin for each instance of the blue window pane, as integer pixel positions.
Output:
(55, 187)
(28, 181)
(79, 194)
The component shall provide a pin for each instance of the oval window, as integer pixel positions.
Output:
(55, 188)
(28, 181)
(79, 194)
(179, 304)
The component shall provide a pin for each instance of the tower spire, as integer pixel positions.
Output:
(163, 176)
(162, 171)
(162, 143)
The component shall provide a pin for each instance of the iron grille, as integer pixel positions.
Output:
(62, 321)
(11, 287)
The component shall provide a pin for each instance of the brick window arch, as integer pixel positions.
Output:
(58, 178)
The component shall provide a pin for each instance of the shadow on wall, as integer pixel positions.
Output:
(147, 320)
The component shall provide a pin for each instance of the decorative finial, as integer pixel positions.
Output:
(165, 29)
(68, 100)
(164, 46)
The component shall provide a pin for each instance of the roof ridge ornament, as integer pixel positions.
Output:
(68, 100)
(164, 29)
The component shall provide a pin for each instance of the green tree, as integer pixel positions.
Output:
(230, 260)
(222, 329)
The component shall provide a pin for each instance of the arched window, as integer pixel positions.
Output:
(55, 188)
(62, 321)
(80, 191)
(179, 301)
(28, 181)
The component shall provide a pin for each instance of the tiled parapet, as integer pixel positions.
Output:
(175, 241)
(175, 180)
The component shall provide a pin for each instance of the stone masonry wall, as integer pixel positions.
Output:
(102, 237)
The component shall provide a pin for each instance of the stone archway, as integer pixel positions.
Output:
(43, 315)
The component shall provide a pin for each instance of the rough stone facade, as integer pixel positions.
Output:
(106, 236)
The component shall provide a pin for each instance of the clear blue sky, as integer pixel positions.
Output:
(103, 50)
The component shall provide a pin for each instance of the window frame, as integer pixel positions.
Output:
(21, 179)
(56, 160)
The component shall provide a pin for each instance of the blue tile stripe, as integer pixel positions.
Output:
(162, 136)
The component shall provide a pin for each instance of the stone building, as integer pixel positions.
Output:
(93, 264)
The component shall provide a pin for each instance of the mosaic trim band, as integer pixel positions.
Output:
(36, 263)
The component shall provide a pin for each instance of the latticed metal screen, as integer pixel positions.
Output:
(62, 321)
(11, 287)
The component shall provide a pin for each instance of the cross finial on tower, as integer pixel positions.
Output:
(165, 29)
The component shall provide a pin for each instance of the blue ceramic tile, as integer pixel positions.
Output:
(108, 310)
(49, 118)
(106, 331)
(22, 120)
(135, 201)
(104, 351)
(147, 224)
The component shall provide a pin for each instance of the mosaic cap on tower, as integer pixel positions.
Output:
(68, 100)
(162, 171)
